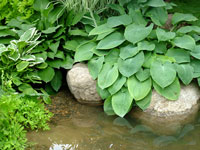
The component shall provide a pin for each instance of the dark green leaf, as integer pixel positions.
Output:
(56, 82)
(47, 74)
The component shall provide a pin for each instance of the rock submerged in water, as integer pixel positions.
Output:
(163, 116)
(82, 86)
(167, 117)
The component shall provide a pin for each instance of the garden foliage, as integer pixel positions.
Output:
(18, 113)
(132, 53)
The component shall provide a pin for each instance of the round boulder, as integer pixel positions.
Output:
(167, 117)
(82, 86)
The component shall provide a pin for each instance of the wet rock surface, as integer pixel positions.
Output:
(167, 117)
(82, 86)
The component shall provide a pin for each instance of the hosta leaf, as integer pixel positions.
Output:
(138, 90)
(40, 5)
(163, 35)
(28, 58)
(187, 29)
(119, 20)
(101, 29)
(145, 102)
(186, 42)
(161, 47)
(117, 85)
(178, 17)
(185, 73)
(95, 66)
(103, 35)
(156, 3)
(111, 41)
(137, 16)
(77, 32)
(135, 33)
(163, 73)
(122, 102)
(143, 74)
(112, 56)
(196, 52)
(28, 34)
(54, 46)
(56, 82)
(108, 106)
(22, 65)
(195, 64)
(51, 29)
(108, 75)
(103, 93)
(131, 65)
(42, 66)
(158, 16)
(145, 45)
(128, 51)
(55, 14)
(71, 45)
(60, 54)
(68, 62)
(47, 74)
(170, 92)
(84, 52)
(180, 55)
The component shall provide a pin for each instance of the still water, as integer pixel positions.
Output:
(81, 127)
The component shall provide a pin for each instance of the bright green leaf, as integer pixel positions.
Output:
(22, 65)
(47, 74)
(117, 85)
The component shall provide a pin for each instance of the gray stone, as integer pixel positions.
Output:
(82, 86)
(167, 117)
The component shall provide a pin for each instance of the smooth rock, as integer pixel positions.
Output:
(167, 117)
(82, 86)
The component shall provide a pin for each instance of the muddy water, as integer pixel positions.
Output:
(80, 127)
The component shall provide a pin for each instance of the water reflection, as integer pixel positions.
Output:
(88, 128)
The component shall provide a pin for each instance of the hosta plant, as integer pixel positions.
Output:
(132, 53)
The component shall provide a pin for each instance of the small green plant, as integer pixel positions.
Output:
(10, 9)
(131, 53)
(18, 113)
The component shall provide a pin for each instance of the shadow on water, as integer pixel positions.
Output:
(81, 127)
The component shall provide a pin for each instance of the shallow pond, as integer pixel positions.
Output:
(81, 127)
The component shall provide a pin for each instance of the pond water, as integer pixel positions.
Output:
(81, 127)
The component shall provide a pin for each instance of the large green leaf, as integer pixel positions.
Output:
(104, 28)
(54, 46)
(170, 92)
(185, 41)
(196, 52)
(195, 64)
(122, 102)
(178, 17)
(56, 82)
(95, 66)
(22, 65)
(119, 20)
(47, 74)
(40, 5)
(185, 72)
(137, 89)
(84, 52)
(117, 85)
(180, 55)
(137, 16)
(108, 75)
(112, 56)
(128, 51)
(111, 41)
(163, 35)
(143, 74)
(187, 29)
(163, 73)
(135, 33)
(108, 106)
(156, 3)
(51, 29)
(158, 15)
(103, 93)
(145, 45)
(131, 65)
(145, 102)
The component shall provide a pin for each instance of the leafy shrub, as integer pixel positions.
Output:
(16, 8)
(132, 53)
(17, 113)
